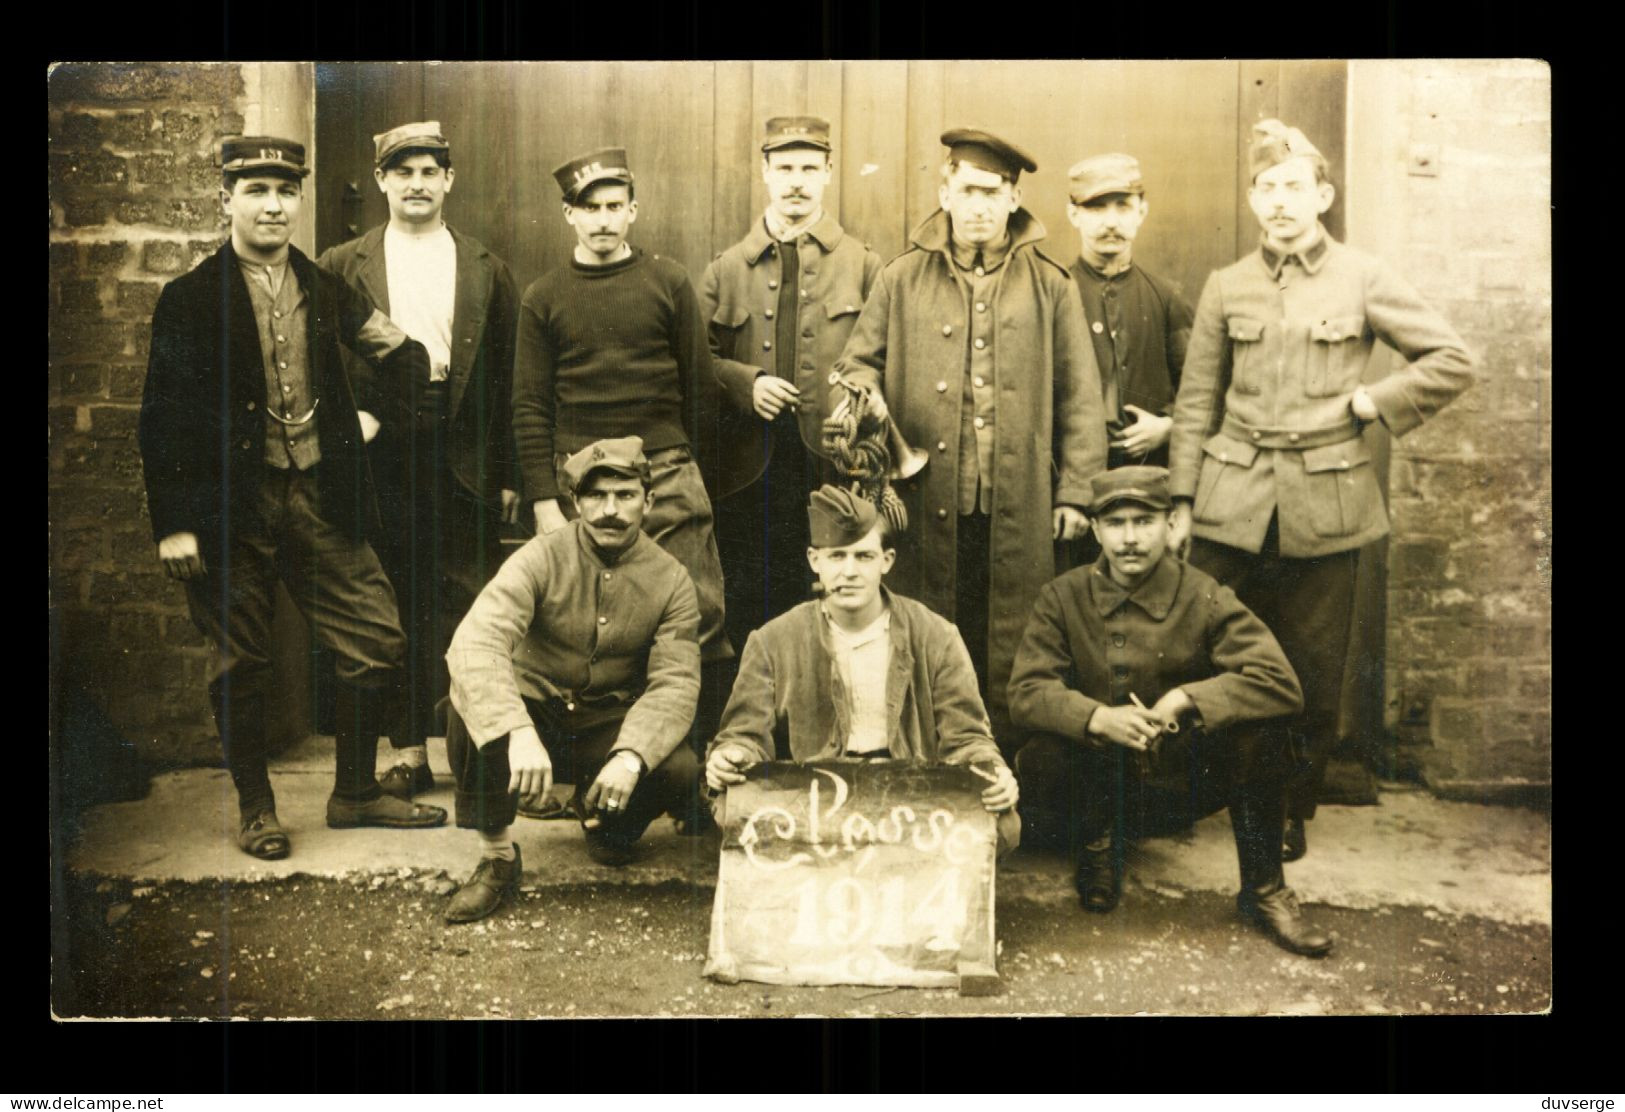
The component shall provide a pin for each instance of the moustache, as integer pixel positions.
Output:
(611, 523)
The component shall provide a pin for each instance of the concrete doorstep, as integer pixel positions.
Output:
(1411, 850)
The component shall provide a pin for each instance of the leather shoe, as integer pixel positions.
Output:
(1278, 915)
(404, 781)
(1294, 842)
(606, 850)
(493, 881)
(1099, 881)
(385, 810)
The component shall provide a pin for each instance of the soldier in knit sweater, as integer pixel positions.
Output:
(612, 345)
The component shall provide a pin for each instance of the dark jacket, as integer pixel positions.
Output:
(483, 322)
(739, 293)
(789, 703)
(911, 342)
(202, 426)
(1091, 643)
(1147, 359)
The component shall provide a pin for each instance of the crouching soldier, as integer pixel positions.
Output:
(1142, 668)
(579, 659)
(861, 673)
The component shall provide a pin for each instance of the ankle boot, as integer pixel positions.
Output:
(1099, 876)
(1265, 900)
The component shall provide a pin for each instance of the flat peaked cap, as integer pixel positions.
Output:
(621, 456)
(603, 164)
(837, 517)
(1146, 485)
(421, 136)
(1103, 175)
(984, 149)
(1274, 143)
(241, 153)
(796, 131)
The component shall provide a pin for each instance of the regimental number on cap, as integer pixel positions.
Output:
(593, 168)
(271, 153)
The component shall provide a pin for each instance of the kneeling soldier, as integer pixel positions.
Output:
(585, 638)
(861, 673)
(1142, 622)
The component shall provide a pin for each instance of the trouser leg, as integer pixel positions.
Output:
(681, 522)
(971, 591)
(337, 582)
(1068, 782)
(232, 607)
(1307, 604)
(483, 801)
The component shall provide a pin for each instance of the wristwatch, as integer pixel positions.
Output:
(633, 761)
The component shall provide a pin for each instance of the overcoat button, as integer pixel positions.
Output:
(245, 445)
(979, 423)
(1097, 328)
(947, 330)
(1118, 639)
(942, 445)
(942, 515)
(773, 283)
(942, 387)
(851, 308)
(1293, 437)
(1258, 436)
(770, 314)
(603, 621)
(834, 378)
(767, 345)
(251, 407)
(980, 343)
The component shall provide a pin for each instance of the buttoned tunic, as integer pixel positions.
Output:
(1091, 643)
(1262, 423)
(739, 297)
(1050, 434)
(1141, 327)
(559, 620)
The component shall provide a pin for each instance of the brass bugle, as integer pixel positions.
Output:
(906, 460)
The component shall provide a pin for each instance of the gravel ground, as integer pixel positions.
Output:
(375, 946)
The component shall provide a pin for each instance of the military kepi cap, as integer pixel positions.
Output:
(796, 131)
(836, 517)
(1146, 485)
(603, 164)
(984, 149)
(621, 456)
(421, 136)
(263, 153)
(1103, 175)
(1273, 143)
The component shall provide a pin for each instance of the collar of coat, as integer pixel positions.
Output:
(934, 234)
(1309, 258)
(827, 232)
(298, 265)
(1155, 595)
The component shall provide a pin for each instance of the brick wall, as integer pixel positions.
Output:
(1455, 188)
(133, 203)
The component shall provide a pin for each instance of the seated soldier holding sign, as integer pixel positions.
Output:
(861, 673)
(1141, 667)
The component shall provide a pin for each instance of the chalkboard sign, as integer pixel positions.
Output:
(856, 873)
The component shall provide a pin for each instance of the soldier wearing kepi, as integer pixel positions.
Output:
(577, 660)
(613, 345)
(976, 340)
(781, 304)
(443, 459)
(255, 471)
(1139, 322)
(861, 673)
(1268, 466)
(1142, 668)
